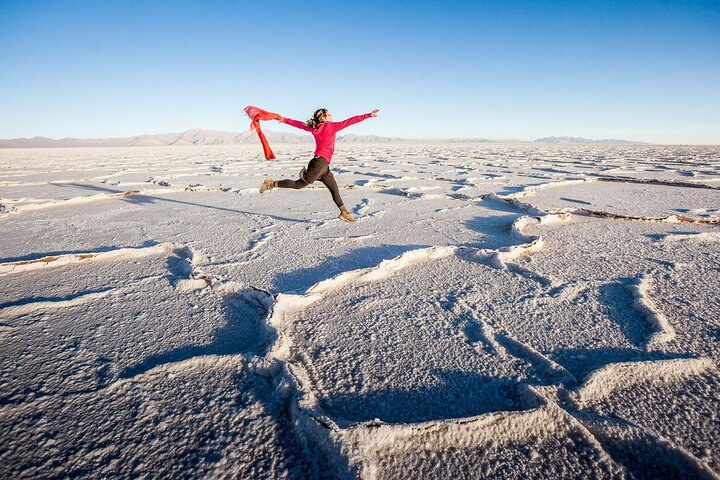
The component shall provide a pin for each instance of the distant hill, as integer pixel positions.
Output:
(195, 136)
(605, 141)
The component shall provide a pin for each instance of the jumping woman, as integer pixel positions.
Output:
(324, 130)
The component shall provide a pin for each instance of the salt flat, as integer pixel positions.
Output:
(497, 311)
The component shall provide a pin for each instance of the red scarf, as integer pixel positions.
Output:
(257, 114)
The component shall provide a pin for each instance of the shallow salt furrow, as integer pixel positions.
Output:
(71, 258)
(41, 204)
(709, 237)
(286, 304)
(254, 248)
(490, 428)
(198, 188)
(504, 344)
(518, 251)
(30, 184)
(532, 189)
(663, 332)
(602, 382)
(79, 201)
(548, 367)
(508, 258)
(50, 305)
(617, 216)
(203, 355)
(489, 337)
(655, 182)
(515, 203)
(417, 192)
(353, 238)
(164, 369)
(385, 269)
(369, 446)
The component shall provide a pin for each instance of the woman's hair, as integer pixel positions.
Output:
(317, 118)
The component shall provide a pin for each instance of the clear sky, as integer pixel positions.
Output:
(639, 70)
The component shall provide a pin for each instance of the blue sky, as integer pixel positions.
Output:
(647, 71)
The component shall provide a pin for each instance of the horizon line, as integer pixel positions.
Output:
(390, 138)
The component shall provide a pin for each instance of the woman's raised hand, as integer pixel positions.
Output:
(375, 112)
(280, 119)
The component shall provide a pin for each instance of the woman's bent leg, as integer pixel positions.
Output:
(296, 184)
(315, 169)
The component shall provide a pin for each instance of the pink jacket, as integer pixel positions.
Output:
(325, 133)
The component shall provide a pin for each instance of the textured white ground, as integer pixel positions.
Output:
(497, 311)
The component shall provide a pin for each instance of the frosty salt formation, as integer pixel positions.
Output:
(497, 311)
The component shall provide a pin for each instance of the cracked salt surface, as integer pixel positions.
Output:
(497, 311)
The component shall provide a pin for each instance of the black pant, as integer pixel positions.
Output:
(317, 169)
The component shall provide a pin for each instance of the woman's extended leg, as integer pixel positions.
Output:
(331, 184)
(329, 181)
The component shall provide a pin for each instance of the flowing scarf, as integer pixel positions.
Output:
(256, 114)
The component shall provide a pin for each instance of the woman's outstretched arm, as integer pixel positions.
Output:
(294, 123)
(353, 120)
